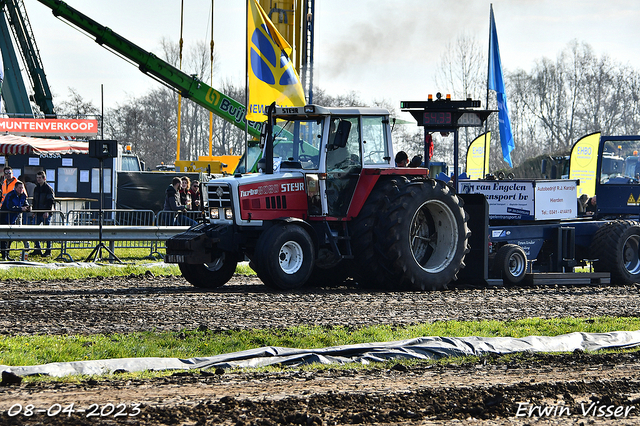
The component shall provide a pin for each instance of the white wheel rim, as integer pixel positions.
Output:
(290, 257)
(433, 247)
(517, 264)
(631, 254)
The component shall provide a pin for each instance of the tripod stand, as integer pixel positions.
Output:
(96, 253)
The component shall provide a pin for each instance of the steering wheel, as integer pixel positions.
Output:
(305, 157)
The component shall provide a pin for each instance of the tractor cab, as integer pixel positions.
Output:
(330, 147)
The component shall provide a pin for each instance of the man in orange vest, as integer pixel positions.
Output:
(9, 182)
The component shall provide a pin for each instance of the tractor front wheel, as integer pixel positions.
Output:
(284, 256)
(210, 275)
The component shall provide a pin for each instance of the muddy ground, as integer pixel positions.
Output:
(575, 389)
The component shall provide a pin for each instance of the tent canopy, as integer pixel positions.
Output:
(10, 144)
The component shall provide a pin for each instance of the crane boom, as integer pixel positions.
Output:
(188, 86)
(27, 43)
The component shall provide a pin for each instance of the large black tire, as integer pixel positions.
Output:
(210, 275)
(510, 264)
(254, 265)
(329, 277)
(425, 236)
(284, 256)
(369, 267)
(616, 245)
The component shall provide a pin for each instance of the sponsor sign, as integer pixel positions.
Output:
(49, 127)
(516, 200)
(556, 199)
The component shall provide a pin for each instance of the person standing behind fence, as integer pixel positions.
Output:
(14, 204)
(194, 194)
(185, 197)
(172, 203)
(43, 200)
(9, 182)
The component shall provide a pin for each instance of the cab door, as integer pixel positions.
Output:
(343, 164)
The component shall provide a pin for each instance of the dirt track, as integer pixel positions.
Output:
(492, 392)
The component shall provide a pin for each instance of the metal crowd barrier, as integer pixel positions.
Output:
(79, 229)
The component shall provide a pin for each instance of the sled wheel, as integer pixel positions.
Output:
(510, 263)
(616, 245)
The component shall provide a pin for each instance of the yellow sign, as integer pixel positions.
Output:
(477, 155)
(584, 161)
(631, 201)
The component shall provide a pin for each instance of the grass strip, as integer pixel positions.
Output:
(42, 349)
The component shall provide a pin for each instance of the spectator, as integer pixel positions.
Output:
(172, 203)
(583, 201)
(592, 206)
(8, 183)
(402, 159)
(43, 199)
(14, 204)
(416, 161)
(185, 186)
(26, 219)
(194, 194)
(29, 186)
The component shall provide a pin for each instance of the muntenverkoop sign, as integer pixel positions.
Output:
(49, 126)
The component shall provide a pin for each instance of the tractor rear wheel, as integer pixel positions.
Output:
(425, 236)
(284, 256)
(210, 275)
(369, 267)
(616, 245)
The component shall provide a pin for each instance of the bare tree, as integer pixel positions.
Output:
(461, 73)
(76, 106)
(462, 68)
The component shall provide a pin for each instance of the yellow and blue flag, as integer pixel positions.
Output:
(496, 82)
(272, 76)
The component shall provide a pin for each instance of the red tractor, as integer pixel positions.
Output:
(327, 203)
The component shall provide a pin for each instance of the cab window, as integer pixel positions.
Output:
(374, 141)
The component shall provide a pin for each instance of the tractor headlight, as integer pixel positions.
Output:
(214, 213)
(228, 213)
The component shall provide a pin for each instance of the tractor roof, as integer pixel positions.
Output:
(310, 111)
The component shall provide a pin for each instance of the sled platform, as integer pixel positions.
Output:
(567, 278)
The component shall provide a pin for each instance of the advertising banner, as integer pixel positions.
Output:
(526, 200)
(49, 126)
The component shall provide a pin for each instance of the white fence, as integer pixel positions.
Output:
(80, 229)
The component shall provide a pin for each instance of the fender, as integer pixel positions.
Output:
(305, 225)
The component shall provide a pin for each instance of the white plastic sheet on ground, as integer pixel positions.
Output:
(418, 348)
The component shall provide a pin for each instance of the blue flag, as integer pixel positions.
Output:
(496, 82)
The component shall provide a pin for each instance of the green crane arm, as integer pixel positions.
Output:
(188, 86)
(17, 17)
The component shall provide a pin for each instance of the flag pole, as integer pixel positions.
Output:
(180, 94)
(246, 91)
(211, 82)
(486, 123)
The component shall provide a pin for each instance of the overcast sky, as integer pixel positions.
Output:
(382, 50)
